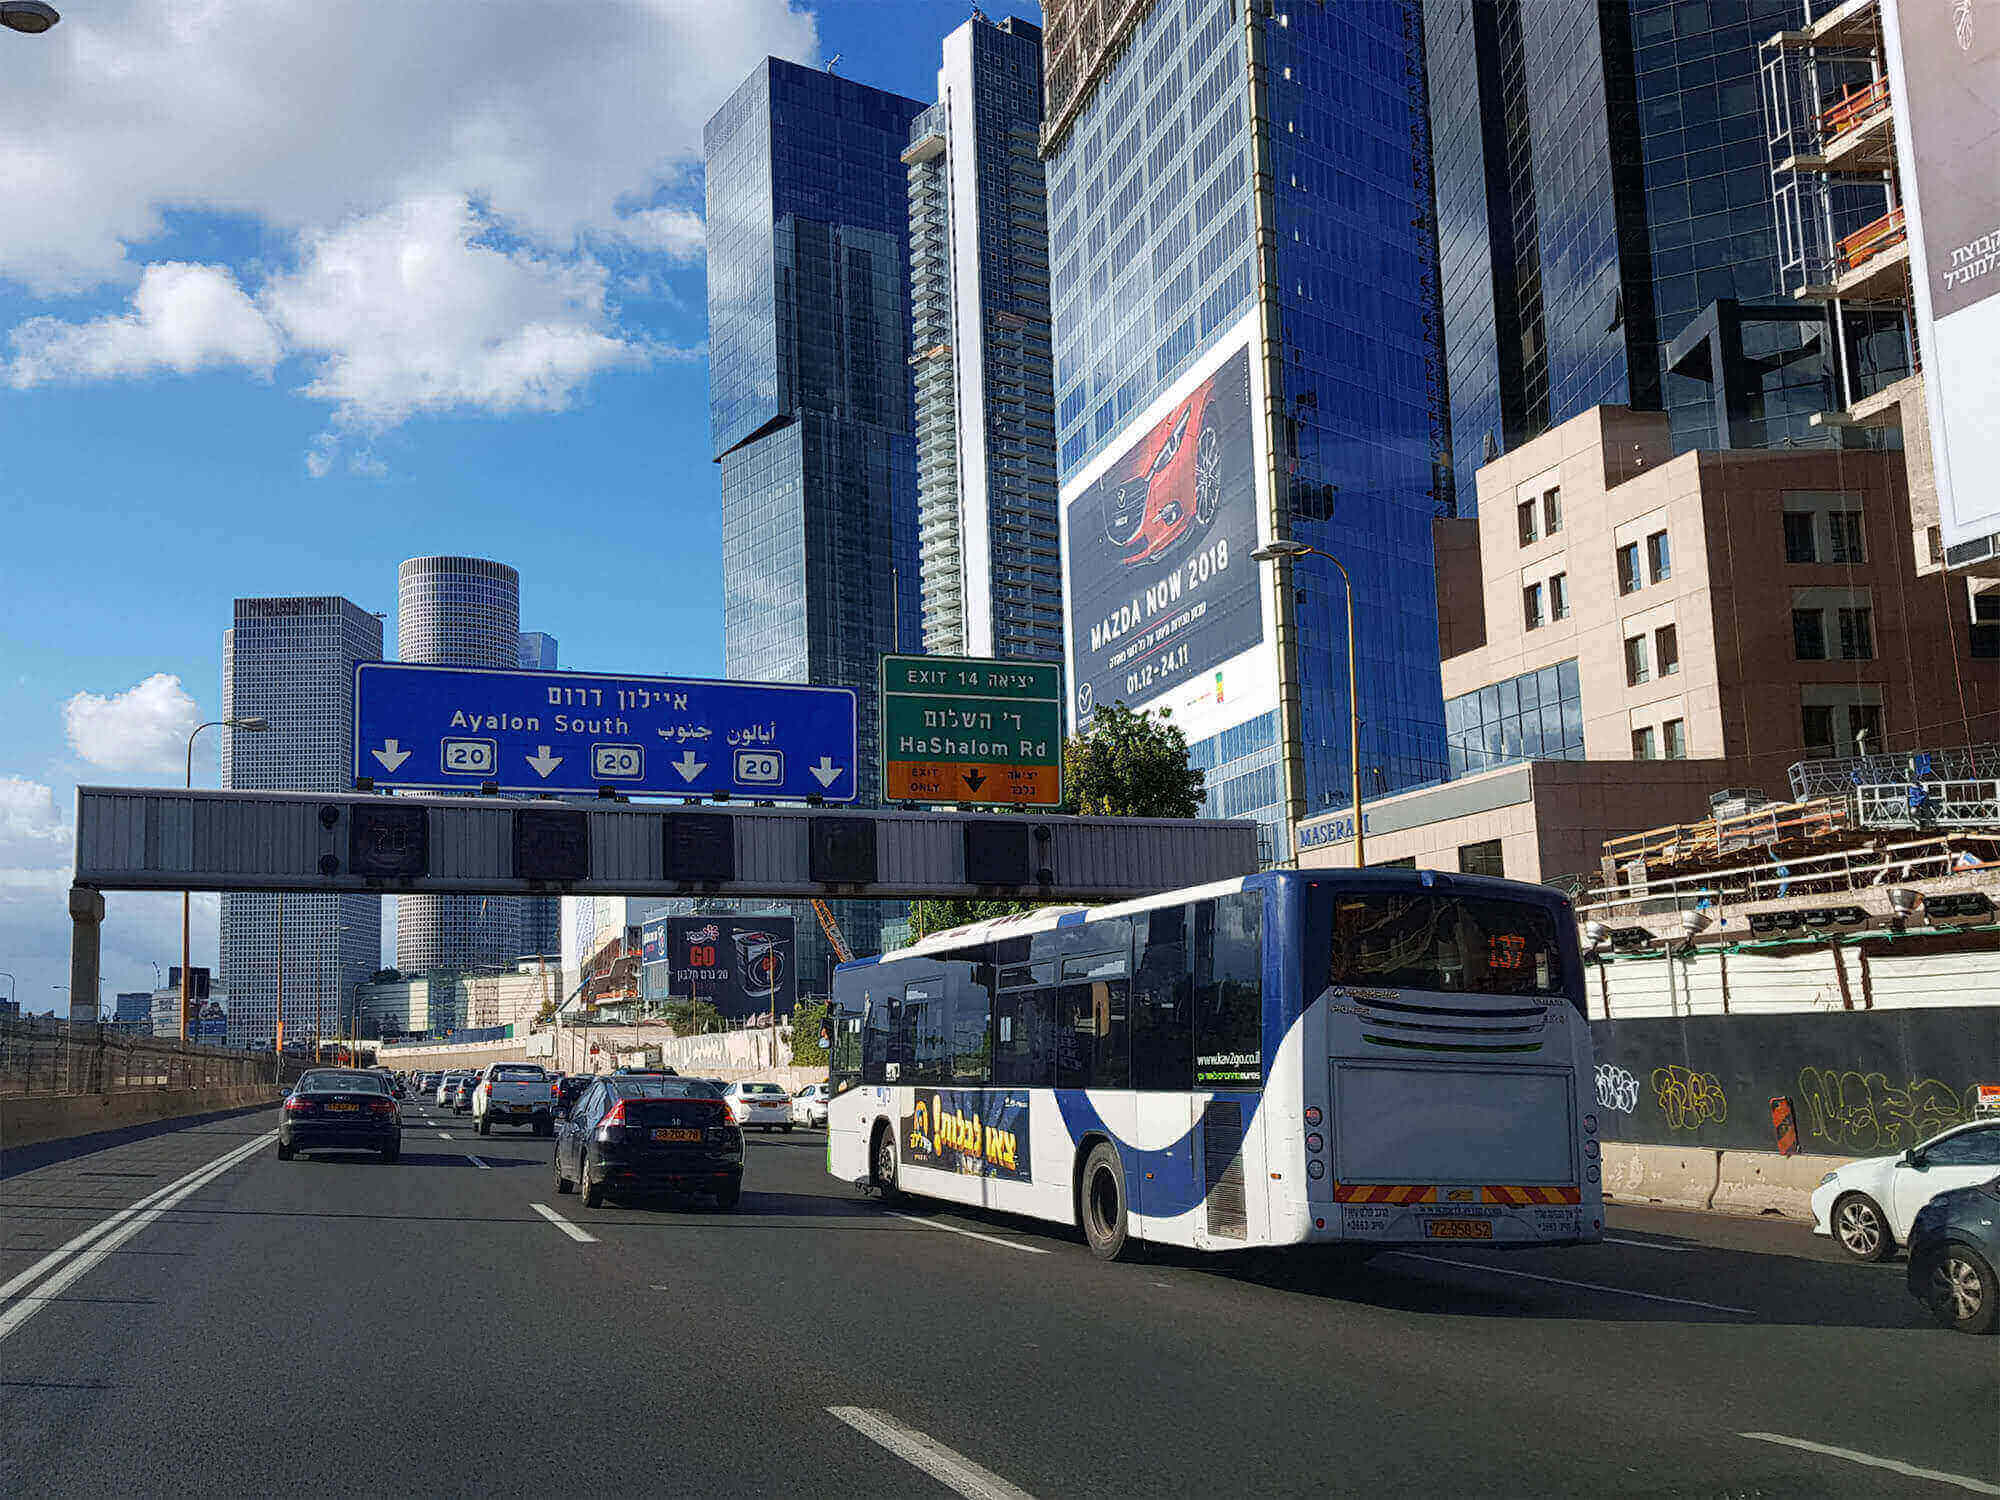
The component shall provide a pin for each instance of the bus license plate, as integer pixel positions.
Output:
(677, 1134)
(1460, 1229)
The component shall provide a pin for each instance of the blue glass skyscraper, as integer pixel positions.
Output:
(1247, 345)
(810, 394)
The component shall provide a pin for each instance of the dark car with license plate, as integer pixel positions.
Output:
(1954, 1246)
(641, 1134)
(340, 1109)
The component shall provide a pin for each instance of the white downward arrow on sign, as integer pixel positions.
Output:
(544, 762)
(688, 766)
(391, 755)
(826, 772)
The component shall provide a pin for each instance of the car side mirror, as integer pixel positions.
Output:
(1914, 1159)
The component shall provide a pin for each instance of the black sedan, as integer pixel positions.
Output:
(645, 1133)
(343, 1109)
(1954, 1246)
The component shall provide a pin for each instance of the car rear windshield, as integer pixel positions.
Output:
(516, 1071)
(654, 1110)
(1465, 944)
(340, 1083)
(762, 1088)
(664, 1088)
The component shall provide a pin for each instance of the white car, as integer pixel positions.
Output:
(809, 1104)
(1868, 1205)
(761, 1104)
(447, 1086)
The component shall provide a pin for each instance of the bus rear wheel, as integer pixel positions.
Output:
(883, 1163)
(1101, 1194)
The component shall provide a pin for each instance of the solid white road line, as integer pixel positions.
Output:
(952, 1469)
(563, 1224)
(34, 1301)
(1894, 1466)
(477, 1162)
(1611, 1239)
(1586, 1286)
(971, 1234)
(62, 1252)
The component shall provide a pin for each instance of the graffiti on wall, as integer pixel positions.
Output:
(1688, 1098)
(1616, 1089)
(1857, 1111)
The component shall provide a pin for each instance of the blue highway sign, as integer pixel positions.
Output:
(460, 728)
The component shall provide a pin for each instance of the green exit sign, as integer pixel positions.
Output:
(972, 729)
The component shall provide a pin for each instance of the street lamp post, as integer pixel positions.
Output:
(255, 725)
(1272, 552)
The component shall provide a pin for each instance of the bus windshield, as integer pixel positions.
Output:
(1421, 940)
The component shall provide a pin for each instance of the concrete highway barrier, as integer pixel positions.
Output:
(1743, 1182)
(26, 1119)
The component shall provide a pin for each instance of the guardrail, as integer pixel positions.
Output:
(47, 1056)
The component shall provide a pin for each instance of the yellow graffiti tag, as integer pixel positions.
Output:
(1689, 1099)
(1868, 1112)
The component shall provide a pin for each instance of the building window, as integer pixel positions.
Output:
(1628, 568)
(1481, 859)
(1801, 540)
(1531, 606)
(1667, 649)
(1934, 540)
(1816, 728)
(1552, 511)
(1674, 731)
(1808, 635)
(1986, 625)
(1637, 669)
(1524, 513)
(1642, 744)
(1659, 559)
(1857, 634)
(1844, 528)
(1864, 721)
(1559, 597)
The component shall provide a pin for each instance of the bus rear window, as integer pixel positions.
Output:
(1464, 944)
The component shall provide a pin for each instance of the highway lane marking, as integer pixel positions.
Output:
(1587, 1286)
(971, 1234)
(62, 1252)
(444, 1135)
(477, 1162)
(1611, 1239)
(563, 1224)
(35, 1300)
(947, 1466)
(1894, 1466)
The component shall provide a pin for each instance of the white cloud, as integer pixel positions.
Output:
(183, 318)
(678, 233)
(30, 823)
(144, 728)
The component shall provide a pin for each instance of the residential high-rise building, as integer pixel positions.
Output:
(810, 392)
(1606, 235)
(462, 612)
(1247, 346)
(541, 916)
(290, 661)
(985, 415)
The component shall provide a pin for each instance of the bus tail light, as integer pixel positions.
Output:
(1593, 1174)
(1315, 1169)
(1590, 1124)
(1313, 1116)
(1315, 1143)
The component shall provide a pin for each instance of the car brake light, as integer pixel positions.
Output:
(383, 1106)
(296, 1104)
(616, 1115)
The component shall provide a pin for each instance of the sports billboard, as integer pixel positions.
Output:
(1165, 604)
(1947, 146)
(740, 965)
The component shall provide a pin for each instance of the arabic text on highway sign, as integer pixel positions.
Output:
(462, 728)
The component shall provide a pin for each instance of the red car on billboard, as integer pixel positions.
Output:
(1174, 483)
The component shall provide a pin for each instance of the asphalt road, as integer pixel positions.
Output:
(336, 1325)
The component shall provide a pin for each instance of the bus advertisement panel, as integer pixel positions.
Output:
(1157, 545)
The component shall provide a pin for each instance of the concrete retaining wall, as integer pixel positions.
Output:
(1745, 1182)
(28, 1118)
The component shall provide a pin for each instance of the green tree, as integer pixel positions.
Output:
(691, 1017)
(806, 1018)
(1131, 765)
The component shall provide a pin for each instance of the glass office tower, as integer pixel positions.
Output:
(979, 251)
(290, 661)
(810, 396)
(1206, 400)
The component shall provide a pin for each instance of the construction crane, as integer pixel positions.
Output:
(832, 930)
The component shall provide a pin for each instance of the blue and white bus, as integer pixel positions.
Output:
(1355, 1058)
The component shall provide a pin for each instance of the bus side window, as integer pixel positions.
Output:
(1024, 1051)
(1229, 992)
(924, 1040)
(968, 988)
(877, 1028)
(1162, 1002)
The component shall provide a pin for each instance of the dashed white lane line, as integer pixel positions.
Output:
(1610, 1239)
(112, 1233)
(1585, 1286)
(971, 1234)
(477, 1162)
(1893, 1465)
(563, 1224)
(947, 1466)
(444, 1135)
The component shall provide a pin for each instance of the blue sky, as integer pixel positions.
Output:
(291, 292)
